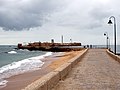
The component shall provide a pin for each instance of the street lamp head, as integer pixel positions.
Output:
(109, 22)
(104, 34)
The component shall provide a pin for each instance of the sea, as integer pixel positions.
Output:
(111, 47)
(16, 61)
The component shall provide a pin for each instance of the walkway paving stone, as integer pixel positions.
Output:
(96, 71)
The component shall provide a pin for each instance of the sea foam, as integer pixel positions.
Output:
(15, 68)
(12, 52)
(3, 83)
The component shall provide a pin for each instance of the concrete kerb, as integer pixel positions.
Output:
(116, 57)
(44, 83)
(77, 59)
(51, 79)
(63, 70)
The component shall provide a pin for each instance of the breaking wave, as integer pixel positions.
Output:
(15, 68)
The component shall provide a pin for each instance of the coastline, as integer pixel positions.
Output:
(20, 81)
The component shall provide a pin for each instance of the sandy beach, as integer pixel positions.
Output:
(18, 82)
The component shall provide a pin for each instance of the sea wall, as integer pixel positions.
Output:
(48, 81)
(116, 57)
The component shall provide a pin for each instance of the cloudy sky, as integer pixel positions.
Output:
(85, 21)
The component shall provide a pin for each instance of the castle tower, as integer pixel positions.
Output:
(62, 39)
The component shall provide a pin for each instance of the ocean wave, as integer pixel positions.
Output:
(12, 52)
(15, 68)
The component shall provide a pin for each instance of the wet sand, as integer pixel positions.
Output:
(20, 81)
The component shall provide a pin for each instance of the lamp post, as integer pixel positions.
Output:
(106, 34)
(109, 43)
(110, 22)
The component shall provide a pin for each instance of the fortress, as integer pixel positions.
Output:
(50, 46)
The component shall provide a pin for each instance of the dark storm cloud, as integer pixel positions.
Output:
(20, 14)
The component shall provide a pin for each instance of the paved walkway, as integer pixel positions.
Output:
(96, 71)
